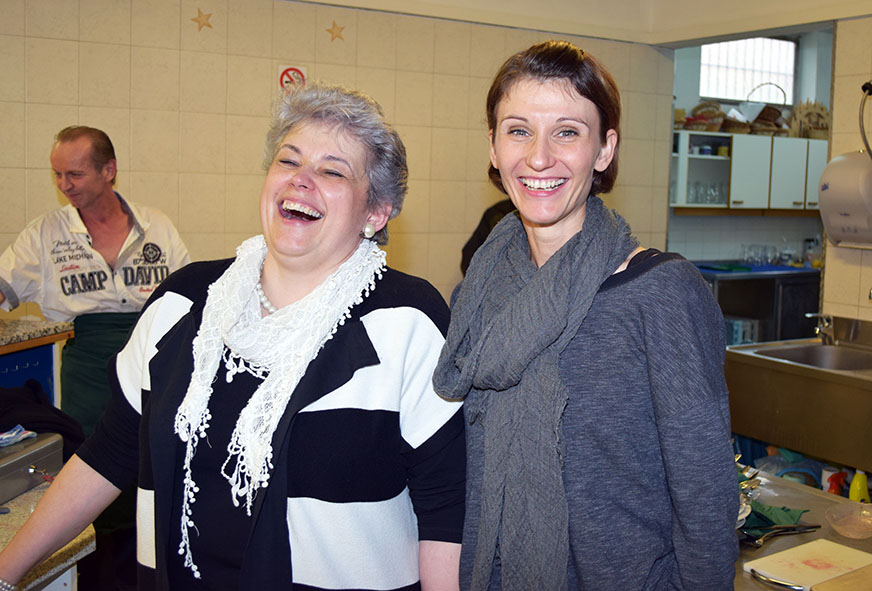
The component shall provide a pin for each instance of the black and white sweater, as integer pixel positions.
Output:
(369, 460)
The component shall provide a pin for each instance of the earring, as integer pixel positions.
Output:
(369, 230)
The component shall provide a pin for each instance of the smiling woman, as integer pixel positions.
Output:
(591, 368)
(305, 365)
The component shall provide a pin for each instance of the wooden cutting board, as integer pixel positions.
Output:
(810, 563)
(856, 580)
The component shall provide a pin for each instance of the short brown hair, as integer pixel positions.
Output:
(102, 150)
(562, 61)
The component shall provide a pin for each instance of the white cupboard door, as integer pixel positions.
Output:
(787, 184)
(749, 171)
(817, 161)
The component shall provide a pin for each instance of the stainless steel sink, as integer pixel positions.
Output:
(833, 357)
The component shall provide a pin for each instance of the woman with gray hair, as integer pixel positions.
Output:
(287, 391)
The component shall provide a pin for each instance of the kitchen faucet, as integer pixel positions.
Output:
(824, 328)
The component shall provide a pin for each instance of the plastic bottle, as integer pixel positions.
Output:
(859, 490)
(837, 482)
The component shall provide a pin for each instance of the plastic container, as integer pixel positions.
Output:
(852, 520)
(859, 490)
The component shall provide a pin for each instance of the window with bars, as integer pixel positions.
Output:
(733, 69)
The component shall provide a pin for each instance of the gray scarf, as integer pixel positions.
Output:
(509, 324)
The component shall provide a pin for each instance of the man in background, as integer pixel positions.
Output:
(93, 262)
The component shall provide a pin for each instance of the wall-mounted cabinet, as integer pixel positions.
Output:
(726, 171)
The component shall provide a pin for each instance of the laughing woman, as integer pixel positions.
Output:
(597, 420)
(286, 391)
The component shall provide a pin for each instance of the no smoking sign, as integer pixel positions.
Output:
(290, 76)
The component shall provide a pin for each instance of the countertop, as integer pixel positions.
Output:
(780, 492)
(16, 335)
(725, 270)
(20, 509)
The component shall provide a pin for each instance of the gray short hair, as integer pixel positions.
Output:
(361, 118)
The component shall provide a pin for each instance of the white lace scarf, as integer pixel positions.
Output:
(282, 343)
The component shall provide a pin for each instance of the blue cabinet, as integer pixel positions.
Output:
(36, 363)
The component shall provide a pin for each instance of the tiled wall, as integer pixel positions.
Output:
(718, 238)
(187, 103)
(848, 271)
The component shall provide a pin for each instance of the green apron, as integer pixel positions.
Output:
(85, 390)
(84, 377)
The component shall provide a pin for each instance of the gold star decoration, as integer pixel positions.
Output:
(202, 20)
(335, 32)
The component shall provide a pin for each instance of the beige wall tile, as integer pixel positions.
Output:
(12, 123)
(644, 69)
(203, 86)
(845, 141)
(486, 50)
(477, 156)
(205, 246)
(450, 100)
(54, 19)
(294, 30)
(42, 196)
(843, 310)
(477, 108)
(447, 204)
(635, 204)
(380, 84)
(105, 21)
(157, 189)
(376, 40)
(42, 122)
(154, 145)
(104, 75)
(451, 48)
(449, 153)
(12, 22)
(414, 99)
(249, 28)
(615, 57)
(242, 211)
(846, 100)
(662, 162)
(116, 123)
(418, 142)
(52, 71)
(335, 74)
(251, 85)
(231, 241)
(415, 215)
(864, 297)
(408, 253)
(202, 142)
(339, 47)
(12, 66)
(201, 208)
(637, 163)
(207, 38)
(416, 39)
(155, 23)
(639, 115)
(13, 193)
(842, 276)
(853, 51)
(665, 71)
(245, 144)
(154, 79)
(444, 259)
(663, 117)
(479, 196)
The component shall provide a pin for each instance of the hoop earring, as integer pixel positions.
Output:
(369, 230)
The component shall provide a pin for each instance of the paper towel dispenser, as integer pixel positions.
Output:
(845, 200)
(845, 192)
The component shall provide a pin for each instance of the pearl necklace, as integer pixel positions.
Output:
(264, 301)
